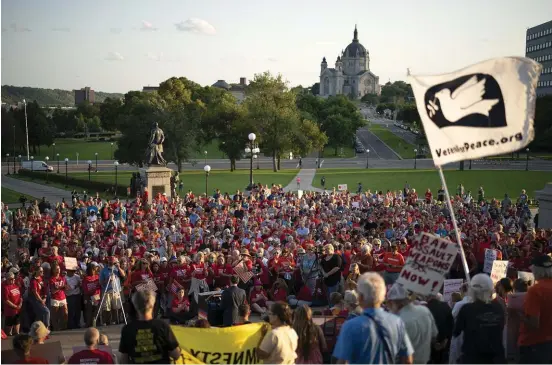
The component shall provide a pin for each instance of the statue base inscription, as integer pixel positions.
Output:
(158, 180)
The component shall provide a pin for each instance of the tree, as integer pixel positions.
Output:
(109, 112)
(372, 99)
(315, 88)
(41, 129)
(396, 92)
(543, 125)
(340, 119)
(408, 113)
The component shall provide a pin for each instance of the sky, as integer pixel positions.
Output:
(122, 45)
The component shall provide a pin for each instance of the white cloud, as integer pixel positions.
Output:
(196, 25)
(147, 26)
(114, 56)
(115, 30)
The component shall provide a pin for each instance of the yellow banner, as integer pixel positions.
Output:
(228, 345)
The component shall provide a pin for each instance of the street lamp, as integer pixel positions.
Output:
(527, 160)
(205, 153)
(26, 128)
(470, 164)
(89, 168)
(8, 162)
(66, 162)
(54, 145)
(47, 168)
(96, 154)
(57, 158)
(251, 149)
(207, 169)
(116, 164)
(32, 163)
(77, 158)
(367, 157)
(13, 150)
(19, 161)
(256, 157)
(415, 156)
(111, 150)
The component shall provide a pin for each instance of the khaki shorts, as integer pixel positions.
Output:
(111, 301)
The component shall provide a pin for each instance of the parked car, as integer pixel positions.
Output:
(36, 166)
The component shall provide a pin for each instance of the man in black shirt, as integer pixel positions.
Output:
(442, 313)
(147, 340)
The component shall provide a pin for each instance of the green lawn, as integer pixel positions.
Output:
(10, 196)
(342, 152)
(399, 145)
(224, 180)
(495, 183)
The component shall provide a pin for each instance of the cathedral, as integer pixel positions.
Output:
(351, 75)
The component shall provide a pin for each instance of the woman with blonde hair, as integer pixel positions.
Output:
(350, 283)
(311, 343)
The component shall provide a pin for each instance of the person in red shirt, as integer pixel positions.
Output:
(37, 296)
(22, 344)
(91, 355)
(91, 293)
(394, 263)
(58, 301)
(428, 196)
(141, 274)
(180, 308)
(12, 302)
(258, 298)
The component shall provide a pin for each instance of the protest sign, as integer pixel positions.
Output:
(451, 286)
(228, 345)
(243, 274)
(486, 109)
(50, 351)
(148, 285)
(71, 263)
(490, 256)
(526, 276)
(342, 187)
(175, 287)
(430, 259)
(355, 204)
(500, 267)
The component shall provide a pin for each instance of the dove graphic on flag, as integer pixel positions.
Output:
(483, 110)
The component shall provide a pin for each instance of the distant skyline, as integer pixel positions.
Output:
(118, 46)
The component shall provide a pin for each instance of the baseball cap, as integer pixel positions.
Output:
(397, 292)
(163, 259)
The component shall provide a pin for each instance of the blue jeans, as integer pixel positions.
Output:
(42, 313)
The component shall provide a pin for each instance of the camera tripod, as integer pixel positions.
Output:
(116, 288)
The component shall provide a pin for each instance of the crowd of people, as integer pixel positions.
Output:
(333, 254)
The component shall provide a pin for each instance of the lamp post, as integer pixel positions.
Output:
(57, 158)
(205, 154)
(470, 164)
(89, 168)
(527, 160)
(415, 157)
(19, 161)
(66, 162)
(54, 145)
(251, 149)
(367, 157)
(207, 169)
(256, 157)
(96, 155)
(26, 128)
(32, 163)
(116, 164)
(8, 162)
(48, 168)
(111, 149)
(77, 158)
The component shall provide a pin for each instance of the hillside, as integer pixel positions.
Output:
(46, 97)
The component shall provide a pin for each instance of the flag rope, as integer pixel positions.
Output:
(456, 231)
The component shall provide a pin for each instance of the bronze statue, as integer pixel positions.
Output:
(154, 153)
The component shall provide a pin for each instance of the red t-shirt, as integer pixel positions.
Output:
(396, 260)
(12, 293)
(58, 283)
(91, 357)
(198, 271)
(180, 304)
(91, 285)
(32, 360)
(180, 274)
(140, 275)
(280, 295)
(37, 286)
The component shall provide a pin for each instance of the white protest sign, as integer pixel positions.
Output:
(71, 263)
(490, 256)
(355, 204)
(485, 109)
(451, 286)
(430, 259)
(526, 276)
(500, 267)
(342, 187)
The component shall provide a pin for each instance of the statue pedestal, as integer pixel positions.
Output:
(544, 197)
(158, 180)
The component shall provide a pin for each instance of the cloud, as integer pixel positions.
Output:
(115, 30)
(196, 25)
(114, 56)
(147, 26)
(17, 28)
(324, 43)
(62, 29)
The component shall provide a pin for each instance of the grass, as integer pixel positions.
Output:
(495, 183)
(397, 144)
(224, 180)
(10, 196)
(342, 152)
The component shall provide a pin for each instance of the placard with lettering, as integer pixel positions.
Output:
(243, 274)
(71, 263)
(499, 270)
(451, 286)
(430, 259)
(342, 187)
(490, 256)
(148, 285)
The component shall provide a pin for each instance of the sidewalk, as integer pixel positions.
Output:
(52, 194)
(306, 176)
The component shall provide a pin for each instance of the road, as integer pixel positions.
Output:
(407, 135)
(378, 149)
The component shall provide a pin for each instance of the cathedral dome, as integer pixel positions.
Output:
(221, 84)
(355, 47)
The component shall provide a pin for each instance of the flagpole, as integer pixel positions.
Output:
(453, 217)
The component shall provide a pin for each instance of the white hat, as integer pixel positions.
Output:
(397, 292)
(163, 259)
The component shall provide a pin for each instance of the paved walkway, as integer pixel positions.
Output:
(306, 177)
(52, 194)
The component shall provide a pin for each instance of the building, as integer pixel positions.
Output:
(84, 94)
(351, 75)
(538, 46)
(238, 90)
(150, 89)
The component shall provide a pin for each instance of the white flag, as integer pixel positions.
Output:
(483, 110)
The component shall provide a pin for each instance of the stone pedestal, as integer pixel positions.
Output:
(158, 180)
(544, 197)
